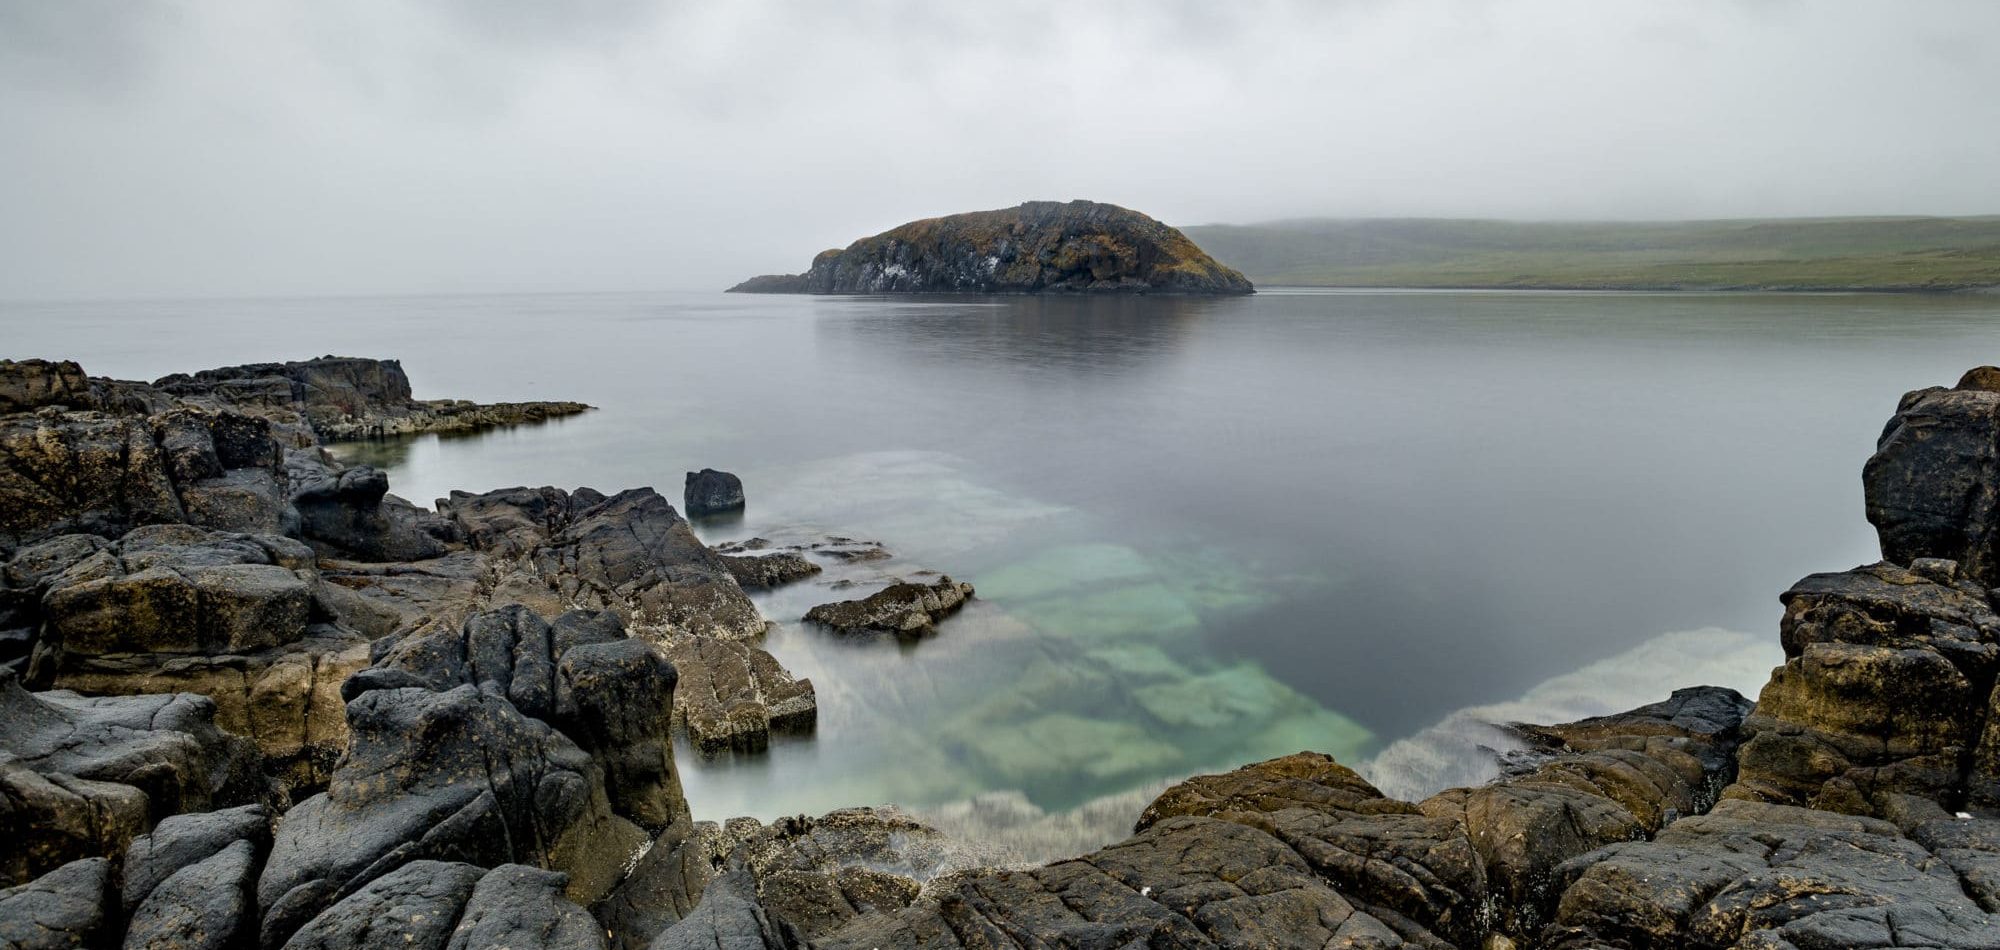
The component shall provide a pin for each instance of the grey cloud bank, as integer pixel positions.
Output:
(184, 148)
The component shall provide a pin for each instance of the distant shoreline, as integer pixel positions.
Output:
(1803, 291)
(1906, 255)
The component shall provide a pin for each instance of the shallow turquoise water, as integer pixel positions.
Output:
(1202, 531)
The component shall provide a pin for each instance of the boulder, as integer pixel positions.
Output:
(183, 841)
(1887, 690)
(71, 906)
(1932, 487)
(629, 553)
(710, 492)
(203, 906)
(27, 385)
(903, 608)
(733, 696)
(52, 819)
(729, 917)
(176, 608)
(518, 906)
(349, 512)
(415, 906)
(80, 472)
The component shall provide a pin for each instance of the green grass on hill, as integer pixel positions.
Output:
(1888, 254)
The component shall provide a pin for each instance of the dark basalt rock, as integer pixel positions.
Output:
(460, 775)
(342, 397)
(1933, 486)
(442, 905)
(769, 570)
(349, 512)
(80, 776)
(414, 906)
(1887, 690)
(710, 492)
(203, 906)
(902, 608)
(71, 906)
(182, 841)
(729, 917)
(629, 553)
(80, 472)
(611, 695)
(518, 906)
(1037, 247)
(1752, 874)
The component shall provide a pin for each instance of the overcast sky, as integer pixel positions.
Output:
(212, 147)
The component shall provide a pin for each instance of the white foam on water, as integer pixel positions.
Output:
(1459, 749)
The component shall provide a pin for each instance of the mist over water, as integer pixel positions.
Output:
(1203, 531)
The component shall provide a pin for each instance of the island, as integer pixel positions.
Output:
(1076, 247)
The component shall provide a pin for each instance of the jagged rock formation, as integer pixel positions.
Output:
(237, 618)
(1037, 247)
(82, 776)
(219, 448)
(342, 397)
(903, 608)
(769, 570)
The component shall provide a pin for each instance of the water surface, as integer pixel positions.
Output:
(1203, 531)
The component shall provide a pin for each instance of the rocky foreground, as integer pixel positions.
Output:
(1037, 247)
(248, 698)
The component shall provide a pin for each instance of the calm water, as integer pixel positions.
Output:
(1203, 531)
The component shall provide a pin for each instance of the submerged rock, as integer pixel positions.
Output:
(1037, 247)
(902, 608)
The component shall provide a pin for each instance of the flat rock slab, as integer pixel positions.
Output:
(903, 608)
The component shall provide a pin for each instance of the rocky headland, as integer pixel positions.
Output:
(1036, 247)
(250, 699)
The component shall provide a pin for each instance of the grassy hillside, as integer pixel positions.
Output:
(1903, 254)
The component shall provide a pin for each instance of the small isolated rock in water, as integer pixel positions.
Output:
(711, 492)
(905, 609)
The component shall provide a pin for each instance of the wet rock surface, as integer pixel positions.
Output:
(709, 492)
(903, 608)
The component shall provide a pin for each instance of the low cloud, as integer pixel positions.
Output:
(190, 148)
